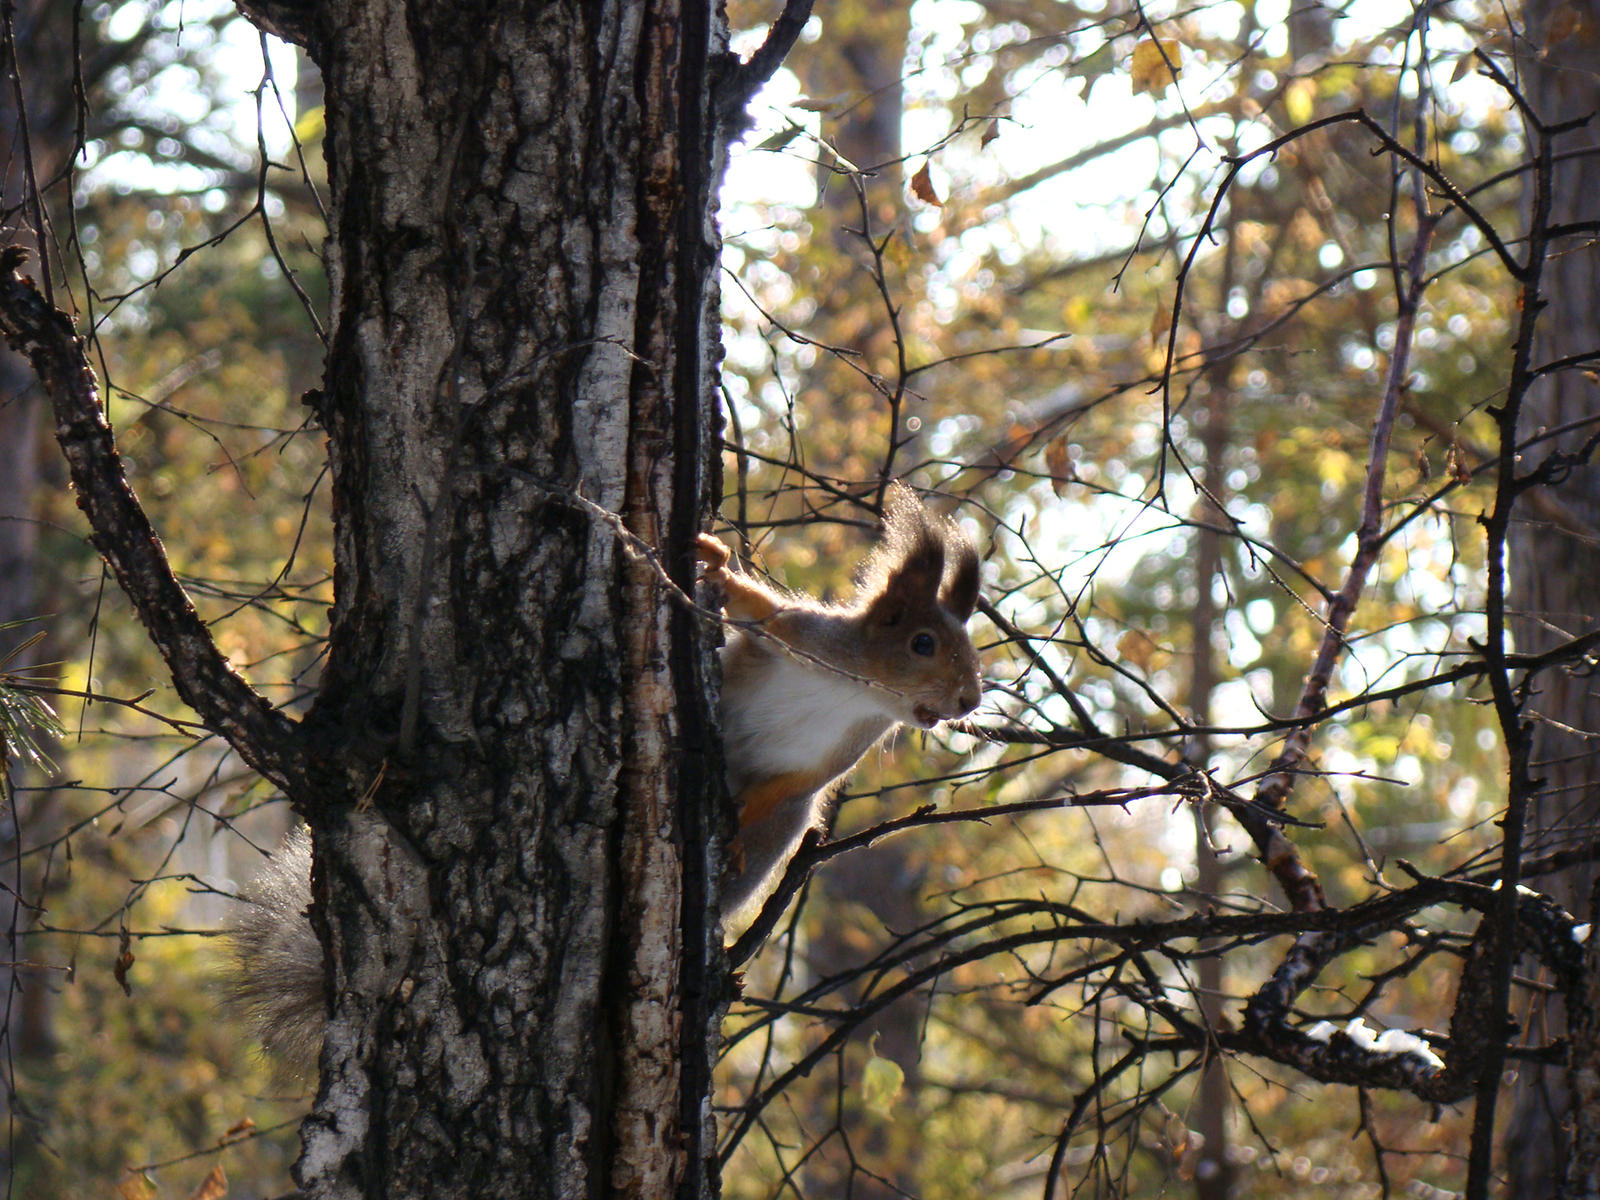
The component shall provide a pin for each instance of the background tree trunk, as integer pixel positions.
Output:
(865, 61)
(513, 778)
(1555, 554)
(43, 30)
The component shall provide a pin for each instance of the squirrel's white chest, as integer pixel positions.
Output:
(788, 716)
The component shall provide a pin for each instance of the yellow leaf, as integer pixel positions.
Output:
(881, 1083)
(137, 1187)
(1136, 647)
(1299, 100)
(1156, 64)
(311, 124)
(900, 252)
(213, 1187)
(922, 188)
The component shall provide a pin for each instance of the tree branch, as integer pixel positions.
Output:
(121, 531)
(287, 19)
(739, 88)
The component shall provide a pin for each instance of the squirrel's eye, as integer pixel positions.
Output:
(924, 645)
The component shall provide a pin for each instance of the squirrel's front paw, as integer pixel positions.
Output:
(713, 555)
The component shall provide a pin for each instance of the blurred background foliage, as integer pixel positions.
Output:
(953, 241)
(984, 306)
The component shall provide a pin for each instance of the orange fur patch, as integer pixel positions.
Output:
(758, 801)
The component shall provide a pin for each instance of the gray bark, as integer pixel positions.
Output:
(1214, 1173)
(520, 265)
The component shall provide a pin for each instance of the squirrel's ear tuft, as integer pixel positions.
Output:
(960, 594)
(902, 511)
(907, 567)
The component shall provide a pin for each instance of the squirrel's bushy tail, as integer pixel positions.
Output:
(278, 968)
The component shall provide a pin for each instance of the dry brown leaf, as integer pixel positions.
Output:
(1160, 324)
(1156, 64)
(1189, 1161)
(1058, 461)
(1136, 647)
(989, 134)
(922, 188)
(1177, 1133)
(781, 139)
(1564, 22)
(213, 1187)
(137, 1187)
(120, 968)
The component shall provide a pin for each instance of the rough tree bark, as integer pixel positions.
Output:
(510, 770)
(518, 752)
(1554, 563)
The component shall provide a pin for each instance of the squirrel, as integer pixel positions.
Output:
(808, 688)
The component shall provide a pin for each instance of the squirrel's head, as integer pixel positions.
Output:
(918, 587)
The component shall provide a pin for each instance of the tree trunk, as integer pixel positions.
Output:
(1555, 560)
(510, 769)
(515, 774)
(1214, 1173)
